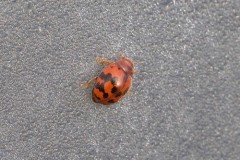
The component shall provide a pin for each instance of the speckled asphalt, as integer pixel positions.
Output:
(185, 97)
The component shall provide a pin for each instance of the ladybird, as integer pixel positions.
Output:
(113, 82)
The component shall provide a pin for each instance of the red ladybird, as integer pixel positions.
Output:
(113, 82)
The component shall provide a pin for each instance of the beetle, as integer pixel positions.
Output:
(113, 82)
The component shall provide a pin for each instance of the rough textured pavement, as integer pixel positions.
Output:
(185, 101)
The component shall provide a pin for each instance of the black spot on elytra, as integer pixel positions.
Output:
(114, 89)
(114, 81)
(118, 94)
(100, 86)
(105, 95)
(105, 77)
(111, 101)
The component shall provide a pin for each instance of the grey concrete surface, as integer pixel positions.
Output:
(185, 96)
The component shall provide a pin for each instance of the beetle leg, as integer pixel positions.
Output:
(86, 85)
(103, 61)
(121, 54)
(130, 92)
(136, 72)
